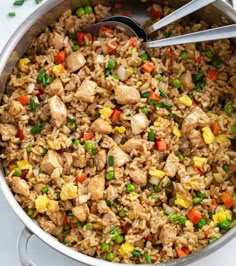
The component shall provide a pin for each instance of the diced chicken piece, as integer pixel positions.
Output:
(46, 224)
(133, 144)
(79, 158)
(58, 111)
(86, 91)
(96, 186)
(16, 108)
(51, 161)
(100, 160)
(102, 207)
(7, 131)
(126, 95)
(20, 186)
(171, 165)
(196, 118)
(56, 88)
(110, 218)
(138, 176)
(120, 157)
(101, 126)
(75, 61)
(196, 139)
(81, 212)
(167, 234)
(56, 40)
(186, 79)
(139, 123)
(68, 160)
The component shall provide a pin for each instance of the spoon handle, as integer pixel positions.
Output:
(179, 13)
(224, 32)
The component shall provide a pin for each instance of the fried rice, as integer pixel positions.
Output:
(119, 152)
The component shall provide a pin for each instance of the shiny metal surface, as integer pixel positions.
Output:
(16, 47)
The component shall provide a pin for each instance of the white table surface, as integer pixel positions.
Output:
(10, 226)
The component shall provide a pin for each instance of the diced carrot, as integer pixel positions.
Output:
(149, 238)
(195, 103)
(161, 145)
(12, 166)
(212, 74)
(198, 59)
(88, 38)
(186, 250)
(73, 225)
(154, 12)
(180, 253)
(23, 99)
(167, 61)
(194, 216)
(60, 57)
(80, 37)
(65, 220)
(216, 129)
(213, 201)
(23, 173)
(116, 115)
(227, 199)
(88, 136)
(20, 134)
(81, 178)
(148, 67)
(154, 96)
(208, 231)
(106, 32)
(168, 53)
(196, 169)
(111, 46)
(132, 41)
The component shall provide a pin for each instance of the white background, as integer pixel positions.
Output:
(10, 226)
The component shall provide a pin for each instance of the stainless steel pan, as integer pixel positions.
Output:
(17, 45)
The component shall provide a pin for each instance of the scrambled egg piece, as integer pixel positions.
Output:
(23, 64)
(176, 130)
(186, 100)
(106, 112)
(126, 249)
(120, 129)
(23, 165)
(154, 172)
(218, 178)
(223, 138)
(57, 69)
(221, 215)
(199, 161)
(52, 206)
(41, 203)
(208, 135)
(181, 201)
(68, 191)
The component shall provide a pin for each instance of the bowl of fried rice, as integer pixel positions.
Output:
(112, 152)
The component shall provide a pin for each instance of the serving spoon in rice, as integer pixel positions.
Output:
(132, 28)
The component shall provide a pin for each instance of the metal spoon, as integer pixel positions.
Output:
(132, 28)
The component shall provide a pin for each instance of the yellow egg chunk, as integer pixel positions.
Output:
(41, 203)
(68, 191)
(208, 135)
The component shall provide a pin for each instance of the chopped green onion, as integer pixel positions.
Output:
(215, 63)
(113, 230)
(111, 64)
(184, 55)
(198, 76)
(210, 241)
(136, 253)
(45, 189)
(88, 145)
(122, 213)
(201, 195)
(115, 76)
(177, 83)
(32, 104)
(79, 225)
(107, 72)
(37, 129)
(148, 258)
(201, 223)
(110, 256)
(180, 156)
(145, 94)
(12, 14)
(19, 3)
(144, 57)
(76, 142)
(151, 135)
(41, 75)
(105, 246)
(89, 226)
(88, 9)
(71, 120)
(209, 53)
(58, 195)
(110, 175)
(225, 167)
(67, 228)
(28, 149)
(130, 188)
(75, 47)
(94, 150)
(166, 105)
(44, 152)
(79, 12)
(160, 78)
(17, 172)
(144, 110)
(108, 202)
(163, 94)
(167, 34)
(155, 103)
(154, 197)
(170, 115)
(69, 213)
(157, 188)
(118, 239)
(110, 160)
(115, 203)
(233, 128)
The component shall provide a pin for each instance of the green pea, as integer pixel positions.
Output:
(160, 78)
(118, 239)
(122, 213)
(184, 55)
(113, 230)
(196, 200)
(75, 47)
(154, 197)
(111, 64)
(88, 9)
(173, 217)
(130, 188)
(144, 57)
(89, 226)
(79, 225)
(12, 14)
(177, 83)
(110, 256)
(80, 12)
(88, 145)
(181, 219)
(37, 129)
(201, 223)
(107, 72)
(215, 63)
(136, 253)
(144, 110)
(110, 175)
(28, 149)
(76, 142)
(115, 76)
(45, 189)
(151, 135)
(225, 225)
(209, 53)
(105, 246)
(148, 258)
(17, 172)
(30, 212)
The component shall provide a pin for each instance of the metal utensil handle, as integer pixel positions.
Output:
(181, 12)
(224, 32)
(22, 247)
